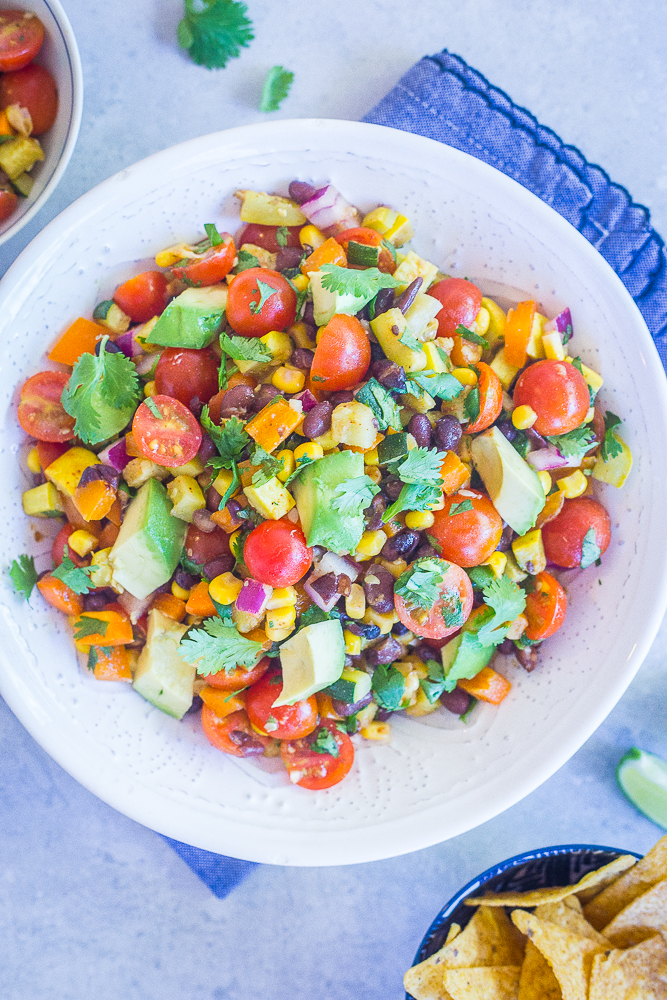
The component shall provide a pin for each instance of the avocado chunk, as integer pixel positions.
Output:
(512, 485)
(352, 686)
(327, 304)
(463, 657)
(149, 543)
(311, 660)
(314, 490)
(192, 319)
(161, 675)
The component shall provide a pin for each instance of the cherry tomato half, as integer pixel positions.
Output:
(313, 770)
(143, 296)
(461, 301)
(545, 607)
(21, 37)
(60, 548)
(41, 414)
(173, 438)
(233, 734)
(266, 237)
(276, 553)
(49, 451)
(467, 537)
(260, 300)
(368, 238)
(8, 202)
(212, 266)
(33, 88)
(490, 399)
(557, 392)
(234, 680)
(342, 355)
(204, 546)
(564, 536)
(453, 607)
(288, 722)
(187, 374)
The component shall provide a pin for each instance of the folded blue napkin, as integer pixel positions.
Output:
(442, 98)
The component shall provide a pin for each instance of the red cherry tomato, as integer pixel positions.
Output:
(267, 236)
(60, 548)
(490, 399)
(564, 536)
(461, 301)
(276, 553)
(289, 722)
(173, 438)
(49, 451)
(342, 355)
(8, 202)
(545, 607)
(21, 37)
(467, 537)
(239, 678)
(313, 770)
(233, 734)
(187, 374)
(33, 88)
(557, 392)
(143, 296)
(252, 287)
(368, 238)
(453, 606)
(212, 266)
(41, 414)
(202, 547)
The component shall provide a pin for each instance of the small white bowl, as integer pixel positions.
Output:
(60, 55)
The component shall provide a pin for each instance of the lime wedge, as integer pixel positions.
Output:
(643, 778)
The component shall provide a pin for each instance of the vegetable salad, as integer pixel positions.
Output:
(306, 481)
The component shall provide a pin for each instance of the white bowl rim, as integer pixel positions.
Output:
(381, 839)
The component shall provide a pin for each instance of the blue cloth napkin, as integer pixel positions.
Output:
(443, 98)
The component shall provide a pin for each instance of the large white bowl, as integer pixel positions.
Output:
(60, 55)
(438, 777)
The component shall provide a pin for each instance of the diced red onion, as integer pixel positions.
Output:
(546, 458)
(332, 563)
(560, 323)
(128, 345)
(329, 211)
(307, 399)
(317, 598)
(253, 597)
(115, 455)
(135, 606)
(145, 363)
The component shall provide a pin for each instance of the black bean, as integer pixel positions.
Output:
(448, 433)
(300, 192)
(377, 354)
(288, 258)
(382, 715)
(369, 632)
(385, 652)
(526, 657)
(196, 705)
(109, 347)
(399, 629)
(420, 428)
(185, 580)
(506, 647)
(223, 564)
(302, 359)
(456, 701)
(202, 520)
(373, 514)
(206, 449)
(404, 301)
(38, 479)
(535, 438)
(309, 313)
(379, 588)
(384, 300)
(426, 551)
(195, 406)
(389, 374)
(264, 393)
(507, 428)
(425, 653)
(237, 401)
(344, 396)
(400, 546)
(344, 709)
(96, 600)
(325, 586)
(95, 473)
(505, 539)
(213, 499)
(392, 486)
(233, 508)
(318, 420)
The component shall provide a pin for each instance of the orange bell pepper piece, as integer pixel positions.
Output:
(117, 633)
(5, 127)
(115, 512)
(60, 596)
(325, 706)
(517, 333)
(94, 500)
(169, 605)
(487, 685)
(454, 473)
(330, 252)
(274, 423)
(80, 338)
(199, 602)
(552, 508)
(222, 702)
(111, 663)
(131, 446)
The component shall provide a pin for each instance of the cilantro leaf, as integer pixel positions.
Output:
(470, 335)
(275, 90)
(270, 466)
(575, 443)
(590, 550)
(414, 496)
(77, 579)
(388, 686)
(480, 576)
(23, 575)
(325, 742)
(230, 440)
(154, 408)
(215, 34)
(452, 609)
(214, 237)
(611, 446)
(354, 495)
(506, 601)
(245, 260)
(266, 291)
(420, 585)
(218, 646)
(301, 464)
(244, 348)
(86, 625)
(362, 284)
(422, 465)
(385, 409)
(282, 236)
(408, 339)
(471, 405)
(459, 508)
(435, 685)
(108, 379)
(521, 443)
(442, 385)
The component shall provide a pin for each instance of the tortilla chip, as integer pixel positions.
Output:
(646, 914)
(552, 895)
(454, 931)
(569, 955)
(500, 982)
(651, 869)
(639, 973)
(567, 914)
(537, 980)
(489, 939)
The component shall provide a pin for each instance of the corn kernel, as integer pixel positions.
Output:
(179, 592)
(281, 597)
(224, 589)
(380, 731)
(384, 622)
(466, 376)
(352, 643)
(288, 379)
(300, 282)
(370, 458)
(524, 417)
(355, 602)
(545, 481)
(280, 620)
(553, 346)
(496, 563)
(483, 321)
(417, 520)
(573, 485)
(309, 449)
(590, 415)
(32, 461)
(82, 542)
(233, 539)
(371, 544)
(311, 236)
(422, 706)
(289, 465)
(150, 389)
(396, 567)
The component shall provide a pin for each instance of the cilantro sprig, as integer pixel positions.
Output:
(611, 446)
(506, 601)
(109, 380)
(244, 348)
(420, 585)
(388, 686)
(266, 291)
(440, 385)
(230, 441)
(218, 646)
(420, 472)
(75, 577)
(590, 550)
(470, 335)
(215, 31)
(245, 260)
(23, 575)
(269, 466)
(574, 444)
(353, 496)
(276, 88)
(459, 508)
(325, 743)
(362, 284)
(87, 625)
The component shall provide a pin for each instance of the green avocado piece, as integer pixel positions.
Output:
(192, 319)
(352, 686)
(513, 487)
(463, 657)
(149, 543)
(313, 491)
(161, 676)
(311, 660)
(327, 304)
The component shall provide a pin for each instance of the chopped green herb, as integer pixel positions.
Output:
(470, 335)
(362, 284)
(521, 443)
(435, 684)
(275, 90)
(567, 336)
(87, 625)
(266, 291)
(433, 542)
(590, 550)
(480, 576)
(282, 236)
(244, 348)
(408, 339)
(441, 385)
(452, 609)
(245, 260)
(420, 585)
(382, 403)
(506, 601)
(611, 446)
(230, 440)
(110, 377)
(214, 237)
(466, 715)
(215, 33)
(154, 408)
(219, 646)
(460, 508)
(471, 405)
(575, 443)
(270, 466)
(353, 496)
(325, 743)
(77, 579)
(388, 685)
(23, 575)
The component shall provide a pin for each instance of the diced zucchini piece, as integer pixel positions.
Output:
(109, 315)
(529, 552)
(272, 500)
(615, 470)
(423, 310)
(42, 501)
(24, 184)
(19, 155)
(389, 327)
(186, 495)
(413, 266)
(269, 209)
(67, 470)
(354, 424)
(393, 447)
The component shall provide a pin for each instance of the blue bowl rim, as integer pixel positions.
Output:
(498, 869)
